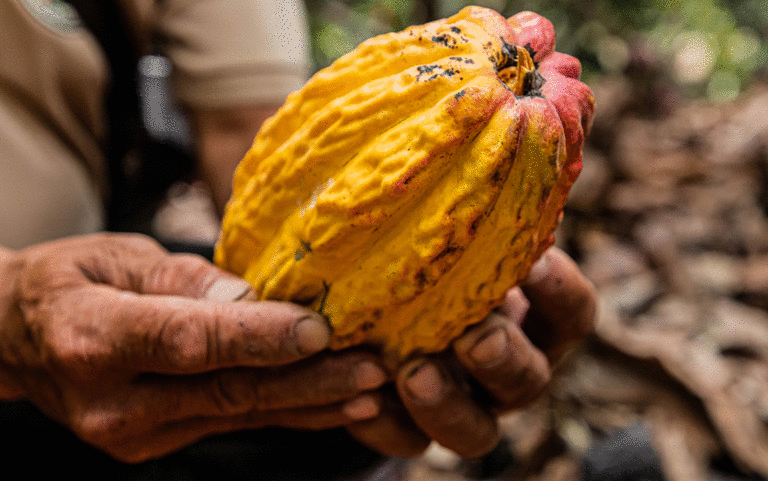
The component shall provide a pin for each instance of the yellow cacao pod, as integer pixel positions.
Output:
(404, 189)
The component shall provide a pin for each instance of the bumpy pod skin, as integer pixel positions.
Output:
(404, 189)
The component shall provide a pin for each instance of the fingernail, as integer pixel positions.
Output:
(538, 270)
(228, 289)
(361, 407)
(491, 348)
(312, 335)
(425, 383)
(368, 375)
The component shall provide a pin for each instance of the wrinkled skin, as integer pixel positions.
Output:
(140, 353)
(499, 365)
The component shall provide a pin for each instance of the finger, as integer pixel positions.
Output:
(139, 264)
(499, 356)
(515, 306)
(392, 432)
(193, 276)
(172, 437)
(562, 304)
(443, 408)
(157, 400)
(175, 335)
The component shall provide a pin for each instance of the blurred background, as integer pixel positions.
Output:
(669, 219)
(705, 48)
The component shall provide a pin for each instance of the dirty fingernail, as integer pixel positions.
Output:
(361, 407)
(491, 348)
(425, 383)
(312, 335)
(227, 290)
(368, 375)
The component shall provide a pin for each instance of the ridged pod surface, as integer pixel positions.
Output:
(404, 189)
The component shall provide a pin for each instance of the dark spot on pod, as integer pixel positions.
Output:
(427, 68)
(475, 224)
(455, 29)
(421, 280)
(435, 70)
(302, 251)
(460, 94)
(367, 326)
(497, 179)
(445, 40)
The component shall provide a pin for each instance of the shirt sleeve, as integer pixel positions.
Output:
(235, 52)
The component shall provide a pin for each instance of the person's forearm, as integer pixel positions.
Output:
(222, 137)
(10, 265)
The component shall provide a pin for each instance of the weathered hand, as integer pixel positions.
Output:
(498, 365)
(140, 352)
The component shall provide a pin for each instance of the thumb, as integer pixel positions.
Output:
(178, 335)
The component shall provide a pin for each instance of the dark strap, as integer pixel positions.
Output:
(137, 181)
(104, 21)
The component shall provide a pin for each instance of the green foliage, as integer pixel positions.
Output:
(703, 47)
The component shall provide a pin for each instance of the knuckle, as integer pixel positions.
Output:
(184, 274)
(184, 343)
(99, 428)
(230, 397)
(78, 354)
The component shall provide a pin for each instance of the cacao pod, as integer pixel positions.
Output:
(404, 189)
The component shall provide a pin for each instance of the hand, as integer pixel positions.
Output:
(498, 365)
(140, 352)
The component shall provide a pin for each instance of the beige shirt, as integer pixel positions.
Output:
(54, 77)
